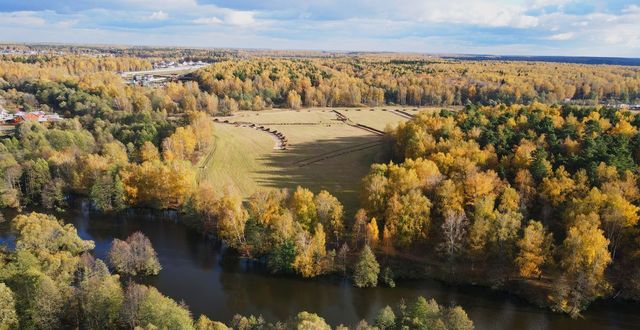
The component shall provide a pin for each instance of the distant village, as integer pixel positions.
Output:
(172, 64)
(627, 106)
(29, 52)
(606, 103)
(8, 118)
(35, 51)
(162, 72)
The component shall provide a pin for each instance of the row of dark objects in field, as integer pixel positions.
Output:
(283, 142)
(347, 121)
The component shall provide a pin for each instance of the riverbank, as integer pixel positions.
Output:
(212, 280)
(411, 266)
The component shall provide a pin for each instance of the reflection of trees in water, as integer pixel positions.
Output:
(368, 301)
(206, 252)
(363, 301)
(249, 290)
(168, 236)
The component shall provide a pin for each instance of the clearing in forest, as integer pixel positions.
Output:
(322, 151)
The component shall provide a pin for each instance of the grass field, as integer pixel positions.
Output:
(323, 152)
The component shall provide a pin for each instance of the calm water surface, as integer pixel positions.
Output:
(213, 282)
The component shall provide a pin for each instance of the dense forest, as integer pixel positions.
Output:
(513, 190)
(117, 136)
(546, 194)
(375, 82)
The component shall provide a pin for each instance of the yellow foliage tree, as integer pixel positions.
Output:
(585, 259)
(312, 258)
(535, 249)
(372, 232)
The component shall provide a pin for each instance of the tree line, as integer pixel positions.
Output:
(370, 81)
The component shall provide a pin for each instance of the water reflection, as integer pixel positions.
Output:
(211, 280)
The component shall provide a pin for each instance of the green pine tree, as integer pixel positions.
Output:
(367, 269)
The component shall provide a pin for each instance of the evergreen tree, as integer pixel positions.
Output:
(386, 319)
(367, 269)
(101, 192)
(387, 277)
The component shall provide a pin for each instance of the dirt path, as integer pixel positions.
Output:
(202, 167)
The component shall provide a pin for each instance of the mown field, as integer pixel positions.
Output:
(323, 152)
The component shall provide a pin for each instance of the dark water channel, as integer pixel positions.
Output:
(212, 281)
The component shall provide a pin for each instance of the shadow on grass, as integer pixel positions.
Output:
(336, 165)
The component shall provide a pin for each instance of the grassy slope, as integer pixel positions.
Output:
(244, 157)
(237, 154)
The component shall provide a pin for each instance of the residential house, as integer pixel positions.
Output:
(39, 116)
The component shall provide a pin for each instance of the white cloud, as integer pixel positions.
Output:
(546, 3)
(561, 36)
(230, 17)
(632, 9)
(621, 30)
(624, 35)
(240, 18)
(613, 39)
(495, 13)
(208, 21)
(22, 18)
(467, 26)
(159, 16)
(66, 24)
(155, 4)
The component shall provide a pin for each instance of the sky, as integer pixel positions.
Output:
(502, 27)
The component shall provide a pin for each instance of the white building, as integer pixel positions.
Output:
(5, 115)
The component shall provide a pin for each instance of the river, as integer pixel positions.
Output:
(212, 281)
